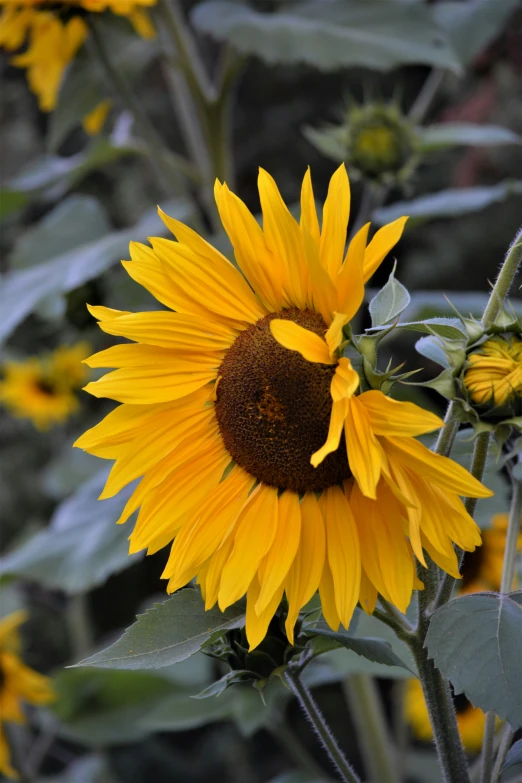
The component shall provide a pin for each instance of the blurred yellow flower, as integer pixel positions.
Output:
(42, 388)
(94, 121)
(482, 570)
(18, 683)
(494, 375)
(53, 40)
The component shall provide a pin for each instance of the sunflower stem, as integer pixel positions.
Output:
(506, 276)
(156, 152)
(372, 732)
(478, 465)
(448, 433)
(508, 573)
(321, 728)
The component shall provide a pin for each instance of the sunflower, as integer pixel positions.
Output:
(55, 34)
(18, 683)
(257, 455)
(42, 388)
(482, 570)
(494, 374)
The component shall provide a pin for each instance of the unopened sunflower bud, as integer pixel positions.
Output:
(493, 377)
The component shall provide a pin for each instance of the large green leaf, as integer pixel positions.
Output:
(81, 547)
(451, 134)
(167, 633)
(451, 328)
(389, 302)
(77, 220)
(377, 34)
(449, 203)
(375, 650)
(473, 24)
(22, 290)
(475, 641)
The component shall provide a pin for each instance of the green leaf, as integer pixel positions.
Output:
(85, 83)
(22, 290)
(451, 134)
(475, 641)
(451, 328)
(390, 302)
(431, 347)
(375, 34)
(75, 221)
(81, 547)
(514, 755)
(375, 650)
(474, 24)
(11, 201)
(449, 203)
(170, 632)
(329, 141)
(228, 679)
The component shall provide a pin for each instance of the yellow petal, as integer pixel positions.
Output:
(203, 534)
(105, 313)
(445, 473)
(368, 596)
(305, 573)
(403, 480)
(254, 258)
(172, 330)
(349, 281)
(327, 596)
(383, 241)
(255, 530)
(364, 451)
(283, 237)
(342, 546)
(336, 212)
(391, 417)
(334, 336)
(345, 381)
(335, 429)
(146, 385)
(215, 569)
(322, 291)
(257, 624)
(296, 338)
(309, 222)
(277, 562)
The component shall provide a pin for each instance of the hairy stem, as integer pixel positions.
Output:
(486, 758)
(504, 281)
(506, 739)
(372, 732)
(321, 728)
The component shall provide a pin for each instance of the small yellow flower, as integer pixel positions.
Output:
(94, 121)
(18, 684)
(260, 460)
(494, 374)
(42, 389)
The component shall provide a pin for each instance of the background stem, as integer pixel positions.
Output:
(321, 728)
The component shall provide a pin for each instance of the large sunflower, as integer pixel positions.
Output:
(18, 684)
(265, 466)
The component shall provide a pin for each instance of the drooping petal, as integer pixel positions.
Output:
(381, 244)
(306, 570)
(296, 338)
(327, 596)
(334, 336)
(257, 623)
(253, 256)
(277, 562)
(336, 212)
(345, 381)
(255, 530)
(343, 550)
(392, 417)
(364, 451)
(335, 430)
(445, 473)
(368, 596)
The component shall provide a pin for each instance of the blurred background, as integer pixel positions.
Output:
(423, 101)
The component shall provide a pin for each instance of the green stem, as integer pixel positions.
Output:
(448, 433)
(486, 759)
(505, 279)
(426, 95)
(506, 739)
(372, 732)
(79, 626)
(156, 152)
(478, 465)
(321, 728)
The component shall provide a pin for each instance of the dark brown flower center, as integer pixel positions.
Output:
(273, 408)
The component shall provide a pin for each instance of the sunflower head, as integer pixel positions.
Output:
(492, 377)
(381, 142)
